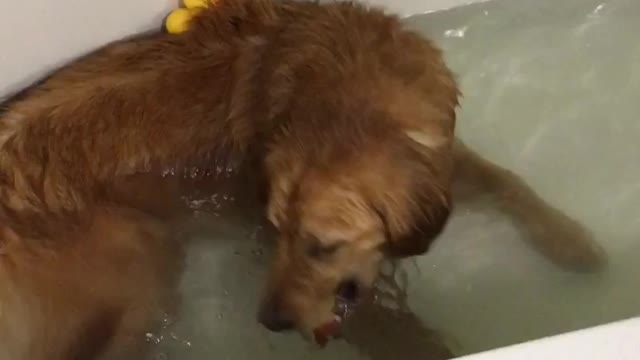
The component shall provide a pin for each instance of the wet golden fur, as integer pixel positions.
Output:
(347, 117)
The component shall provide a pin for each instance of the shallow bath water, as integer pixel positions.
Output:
(551, 92)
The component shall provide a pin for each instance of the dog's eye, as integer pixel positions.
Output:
(321, 251)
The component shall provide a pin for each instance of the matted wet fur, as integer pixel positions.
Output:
(345, 119)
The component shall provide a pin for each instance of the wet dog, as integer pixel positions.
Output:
(346, 119)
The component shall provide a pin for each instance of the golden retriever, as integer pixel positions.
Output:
(347, 117)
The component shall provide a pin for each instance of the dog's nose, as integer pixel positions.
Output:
(274, 317)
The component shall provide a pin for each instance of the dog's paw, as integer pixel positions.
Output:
(566, 242)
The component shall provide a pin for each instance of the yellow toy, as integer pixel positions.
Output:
(178, 21)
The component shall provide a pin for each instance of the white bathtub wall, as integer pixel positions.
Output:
(607, 342)
(411, 7)
(38, 35)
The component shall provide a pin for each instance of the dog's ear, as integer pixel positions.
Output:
(416, 233)
(417, 236)
(416, 214)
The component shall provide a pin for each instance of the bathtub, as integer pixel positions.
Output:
(551, 91)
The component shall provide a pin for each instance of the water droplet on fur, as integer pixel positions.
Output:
(154, 338)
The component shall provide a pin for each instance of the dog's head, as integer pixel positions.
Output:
(360, 164)
(339, 218)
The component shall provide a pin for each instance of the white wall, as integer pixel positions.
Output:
(37, 35)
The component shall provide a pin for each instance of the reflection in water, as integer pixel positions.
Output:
(385, 328)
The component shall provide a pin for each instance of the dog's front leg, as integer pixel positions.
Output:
(560, 238)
